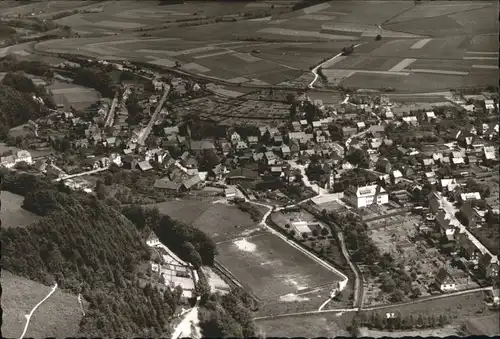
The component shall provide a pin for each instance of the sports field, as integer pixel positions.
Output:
(271, 268)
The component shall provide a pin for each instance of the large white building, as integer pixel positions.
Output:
(364, 196)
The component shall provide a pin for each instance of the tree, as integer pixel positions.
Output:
(101, 190)
(359, 157)
(378, 37)
(324, 232)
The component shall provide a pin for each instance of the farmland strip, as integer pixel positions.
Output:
(402, 65)
(421, 43)
(437, 71)
(480, 58)
(485, 66)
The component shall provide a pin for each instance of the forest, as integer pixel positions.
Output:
(88, 246)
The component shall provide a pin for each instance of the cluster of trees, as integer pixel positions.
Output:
(377, 321)
(88, 247)
(188, 243)
(22, 83)
(134, 109)
(359, 157)
(16, 108)
(99, 80)
(247, 207)
(227, 316)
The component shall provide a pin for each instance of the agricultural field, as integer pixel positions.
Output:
(271, 268)
(12, 214)
(289, 44)
(59, 316)
(446, 331)
(487, 325)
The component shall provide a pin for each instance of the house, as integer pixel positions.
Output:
(377, 131)
(110, 142)
(216, 173)
(445, 281)
(225, 148)
(471, 196)
(167, 184)
(91, 164)
(129, 162)
(296, 126)
(234, 138)
(489, 153)
(144, 166)
(276, 170)
(366, 195)
(397, 176)
(489, 105)
(468, 215)
(230, 193)
(294, 149)
(383, 165)
(193, 182)
(430, 177)
(428, 162)
(241, 175)
(447, 185)
(8, 161)
(447, 224)
(253, 140)
(241, 146)
(116, 159)
(348, 132)
(270, 157)
(81, 143)
(488, 266)
(430, 116)
(361, 126)
(466, 248)
(173, 130)
(285, 151)
(199, 147)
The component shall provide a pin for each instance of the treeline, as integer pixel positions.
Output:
(379, 322)
(97, 79)
(189, 243)
(87, 247)
(11, 64)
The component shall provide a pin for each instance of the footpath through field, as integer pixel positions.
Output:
(28, 316)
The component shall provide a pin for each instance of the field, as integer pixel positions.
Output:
(73, 95)
(488, 325)
(271, 268)
(312, 326)
(12, 214)
(437, 332)
(220, 221)
(59, 316)
(437, 35)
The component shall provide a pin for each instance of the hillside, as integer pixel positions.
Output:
(86, 245)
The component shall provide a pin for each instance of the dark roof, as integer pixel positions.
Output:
(167, 184)
(190, 182)
(201, 145)
(243, 173)
(442, 274)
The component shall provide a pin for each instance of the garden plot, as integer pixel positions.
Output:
(12, 214)
(367, 13)
(270, 268)
(441, 65)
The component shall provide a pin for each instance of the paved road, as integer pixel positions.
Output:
(111, 113)
(375, 308)
(28, 316)
(185, 327)
(451, 210)
(145, 132)
(358, 286)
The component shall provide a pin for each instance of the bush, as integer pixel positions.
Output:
(378, 37)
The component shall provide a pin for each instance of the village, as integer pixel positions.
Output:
(425, 186)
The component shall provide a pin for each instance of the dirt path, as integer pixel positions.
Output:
(29, 315)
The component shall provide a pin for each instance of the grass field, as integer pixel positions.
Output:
(488, 326)
(220, 221)
(437, 332)
(271, 268)
(12, 214)
(59, 316)
(308, 327)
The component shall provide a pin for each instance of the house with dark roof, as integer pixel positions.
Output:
(488, 266)
(199, 147)
(444, 281)
(241, 175)
(190, 183)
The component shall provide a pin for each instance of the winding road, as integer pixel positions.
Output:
(314, 71)
(29, 315)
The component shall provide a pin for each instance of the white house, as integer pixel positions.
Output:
(153, 240)
(235, 138)
(366, 195)
(230, 193)
(445, 281)
(25, 156)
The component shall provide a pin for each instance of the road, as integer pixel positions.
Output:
(314, 71)
(145, 132)
(28, 316)
(451, 210)
(358, 286)
(111, 113)
(189, 324)
(305, 180)
(375, 308)
(64, 177)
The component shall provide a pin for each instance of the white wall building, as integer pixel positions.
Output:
(364, 196)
